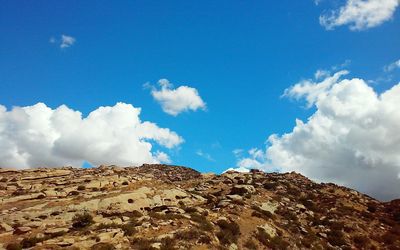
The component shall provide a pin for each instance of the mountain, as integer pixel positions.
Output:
(172, 207)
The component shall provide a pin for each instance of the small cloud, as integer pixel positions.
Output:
(67, 41)
(204, 155)
(64, 41)
(178, 100)
(237, 152)
(392, 66)
(360, 14)
(52, 40)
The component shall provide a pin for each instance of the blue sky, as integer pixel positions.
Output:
(239, 55)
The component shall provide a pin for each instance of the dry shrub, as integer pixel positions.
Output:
(229, 233)
(82, 220)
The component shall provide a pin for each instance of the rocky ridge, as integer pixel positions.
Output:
(172, 207)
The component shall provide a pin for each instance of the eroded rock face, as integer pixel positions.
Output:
(170, 207)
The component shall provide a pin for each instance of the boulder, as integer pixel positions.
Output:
(242, 189)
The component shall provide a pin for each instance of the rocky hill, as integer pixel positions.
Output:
(170, 207)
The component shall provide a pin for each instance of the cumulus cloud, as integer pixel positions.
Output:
(38, 136)
(392, 66)
(175, 101)
(65, 41)
(360, 14)
(352, 138)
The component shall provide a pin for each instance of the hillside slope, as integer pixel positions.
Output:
(171, 207)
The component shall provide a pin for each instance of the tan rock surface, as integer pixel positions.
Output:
(169, 207)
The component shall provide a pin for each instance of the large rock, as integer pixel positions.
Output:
(268, 229)
(243, 189)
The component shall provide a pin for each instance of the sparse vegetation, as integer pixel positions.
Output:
(336, 238)
(188, 234)
(204, 224)
(82, 220)
(229, 232)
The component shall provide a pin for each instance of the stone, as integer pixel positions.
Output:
(269, 206)
(22, 230)
(6, 227)
(243, 189)
(271, 231)
(234, 197)
(60, 230)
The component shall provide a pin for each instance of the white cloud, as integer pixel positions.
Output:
(67, 41)
(64, 41)
(392, 66)
(38, 136)
(360, 14)
(175, 101)
(204, 155)
(352, 138)
(312, 90)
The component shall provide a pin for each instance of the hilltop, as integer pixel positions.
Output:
(172, 207)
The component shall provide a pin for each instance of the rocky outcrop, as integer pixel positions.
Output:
(172, 207)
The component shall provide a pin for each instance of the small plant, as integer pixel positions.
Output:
(229, 233)
(82, 220)
(129, 228)
(81, 188)
(336, 238)
(167, 243)
(204, 224)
